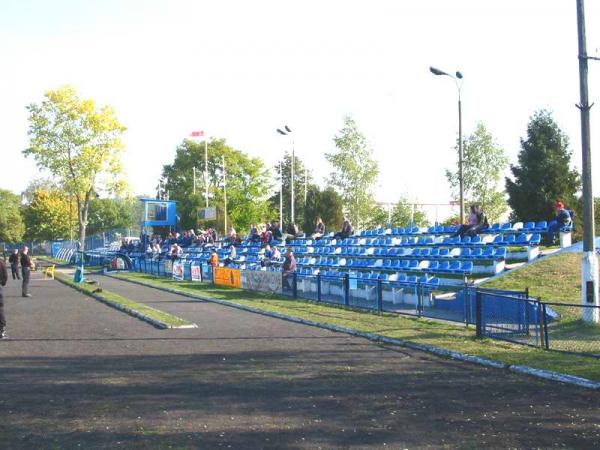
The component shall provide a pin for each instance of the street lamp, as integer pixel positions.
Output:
(456, 77)
(288, 132)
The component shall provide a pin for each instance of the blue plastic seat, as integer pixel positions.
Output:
(412, 279)
(542, 225)
(433, 265)
(455, 266)
(434, 253)
(387, 263)
(476, 252)
(466, 240)
(500, 253)
(495, 227)
(465, 252)
(506, 226)
(466, 266)
(509, 239)
(522, 239)
(404, 264)
(529, 226)
(444, 266)
(498, 240)
(536, 239)
(444, 252)
(476, 240)
(425, 252)
(413, 265)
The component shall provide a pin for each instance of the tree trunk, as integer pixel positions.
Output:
(82, 216)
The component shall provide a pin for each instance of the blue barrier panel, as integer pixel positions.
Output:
(307, 286)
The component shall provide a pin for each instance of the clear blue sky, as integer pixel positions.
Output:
(240, 69)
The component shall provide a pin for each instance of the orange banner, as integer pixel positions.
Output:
(227, 277)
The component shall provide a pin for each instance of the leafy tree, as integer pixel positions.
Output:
(543, 174)
(403, 212)
(113, 213)
(483, 165)
(327, 205)
(301, 178)
(354, 172)
(247, 183)
(36, 184)
(79, 144)
(49, 216)
(377, 216)
(11, 222)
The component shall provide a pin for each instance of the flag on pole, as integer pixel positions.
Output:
(197, 133)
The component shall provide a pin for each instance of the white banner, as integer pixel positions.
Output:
(258, 280)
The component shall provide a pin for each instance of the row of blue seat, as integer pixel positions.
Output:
(392, 264)
(399, 278)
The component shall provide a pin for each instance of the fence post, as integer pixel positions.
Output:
(379, 296)
(419, 302)
(478, 314)
(347, 289)
(467, 305)
(295, 285)
(318, 287)
(546, 341)
(540, 314)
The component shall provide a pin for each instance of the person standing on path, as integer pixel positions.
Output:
(26, 266)
(3, 280)
(13, 259)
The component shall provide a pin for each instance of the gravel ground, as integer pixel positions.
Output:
(78, 374)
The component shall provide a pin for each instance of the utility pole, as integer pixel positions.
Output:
(225, 195)
(589, 262)
(194, 175)
(206, 169)
(280, 195)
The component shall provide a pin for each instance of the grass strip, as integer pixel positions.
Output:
(161, 318)
(420, 331)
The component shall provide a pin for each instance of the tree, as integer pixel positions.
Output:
(11, 222)
(405, 214)
(113, 213)
(302, 178)
(49, 216)
(327, 205)
(483, 166)
(543, 174)
(354, 172)
(247, 183)
(79, 144)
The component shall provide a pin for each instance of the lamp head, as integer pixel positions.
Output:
(459, 75)
(288, 129)
(281, 131)
(435, 71)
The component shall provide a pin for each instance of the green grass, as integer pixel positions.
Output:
(439, 334)
(153, 313)
(554, 278)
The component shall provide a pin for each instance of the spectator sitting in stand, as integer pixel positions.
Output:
(253, 235)
(562, 218)
(267, 256)
(319, 229)
(214, 258)
(266, 236)
(291, 232)
(232, 255)
(232, 236)
(276, 231)
(155, 250)
(176, 251)
(346, 230)
(477, 221)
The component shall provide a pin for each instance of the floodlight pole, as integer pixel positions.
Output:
(589, 263)
(461, 185)
(206, 168)
(224, 195)
(280, 195)
(288, 132)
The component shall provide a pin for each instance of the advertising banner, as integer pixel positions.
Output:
(178, 271)
(257, 280)
(227, 277)
(196, 272)
(168, 266)
(206, 272)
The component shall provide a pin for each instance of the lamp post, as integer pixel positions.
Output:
(288, 132)
(589, 263)
(457, 76)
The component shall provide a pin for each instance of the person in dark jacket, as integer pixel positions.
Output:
(13, 259)
(346, 230)
(319, 229)
(3, 279)
(26, 266)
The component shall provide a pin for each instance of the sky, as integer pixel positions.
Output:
(239, 69)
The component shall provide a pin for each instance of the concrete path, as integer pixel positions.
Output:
(79, 374)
